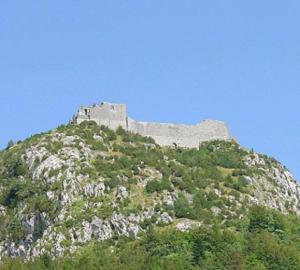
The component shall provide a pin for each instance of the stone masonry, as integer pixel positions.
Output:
(165, 134)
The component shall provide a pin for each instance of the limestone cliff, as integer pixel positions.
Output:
(62, 189)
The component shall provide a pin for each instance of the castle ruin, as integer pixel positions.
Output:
(165, 134)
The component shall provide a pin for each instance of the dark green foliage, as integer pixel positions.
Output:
(97, 145)
(183, 183)
(111, 135)
(142, 155)
(263, 219)
(239, 172)
(14, 226)
(16, 191)
(105, 211)
(14, 166)
(148, 222)
(122, 162)
(121, 131)
(200, 168)
(165, 170)
(29, 196)
(88, 129)
(132, 181)
(214, 153)
(112, 183)
(163, 245)
(158, 185)
(12, 196)
(54, 147)
(112, 168)
(39, 228)
(225, 154)
(182, 208)
(9, 144)
(238, 184)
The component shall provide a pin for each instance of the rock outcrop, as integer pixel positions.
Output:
(80, 183)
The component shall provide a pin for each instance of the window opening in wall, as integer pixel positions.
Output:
(112, 108)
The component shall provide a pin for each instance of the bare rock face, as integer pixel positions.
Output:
(248, 180)
(123, 226)
(2, 210)
(187, 224)
(98, 138)
(122, 193)
(81, 235)
(275, 187)
(254, 160)
(165, 218)
(101, 229)
(216, 210)
(169, 197)
(69, 140)
(65, 198)
(57, 248)
(51, 163)
(94, 189)
(31, 223)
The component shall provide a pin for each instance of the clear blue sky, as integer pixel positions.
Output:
(170, 61)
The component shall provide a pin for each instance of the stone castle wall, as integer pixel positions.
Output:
(165, 134)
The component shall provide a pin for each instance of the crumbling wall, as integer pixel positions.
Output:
(181, 135)
(115, 115)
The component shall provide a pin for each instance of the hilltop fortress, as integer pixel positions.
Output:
(165, 134)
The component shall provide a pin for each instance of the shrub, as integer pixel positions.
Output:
(16, 192)
(112, 183)
(121, 131)
(182, 208)
(265, 219)
(15, 229)
(158, 185)
(9, 144)
(15, 166)
(110, 135)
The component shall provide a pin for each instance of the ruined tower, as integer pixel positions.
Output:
(107, 114)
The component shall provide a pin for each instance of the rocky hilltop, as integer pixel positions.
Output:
(81, 183)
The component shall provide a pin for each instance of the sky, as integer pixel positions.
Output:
(169, 61)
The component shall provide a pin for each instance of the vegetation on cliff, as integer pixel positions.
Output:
(86, 197)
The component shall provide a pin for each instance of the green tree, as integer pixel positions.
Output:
(10, 144)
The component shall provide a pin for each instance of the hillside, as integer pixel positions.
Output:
(84, 196)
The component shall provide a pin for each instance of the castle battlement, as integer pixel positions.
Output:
(165, 134)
